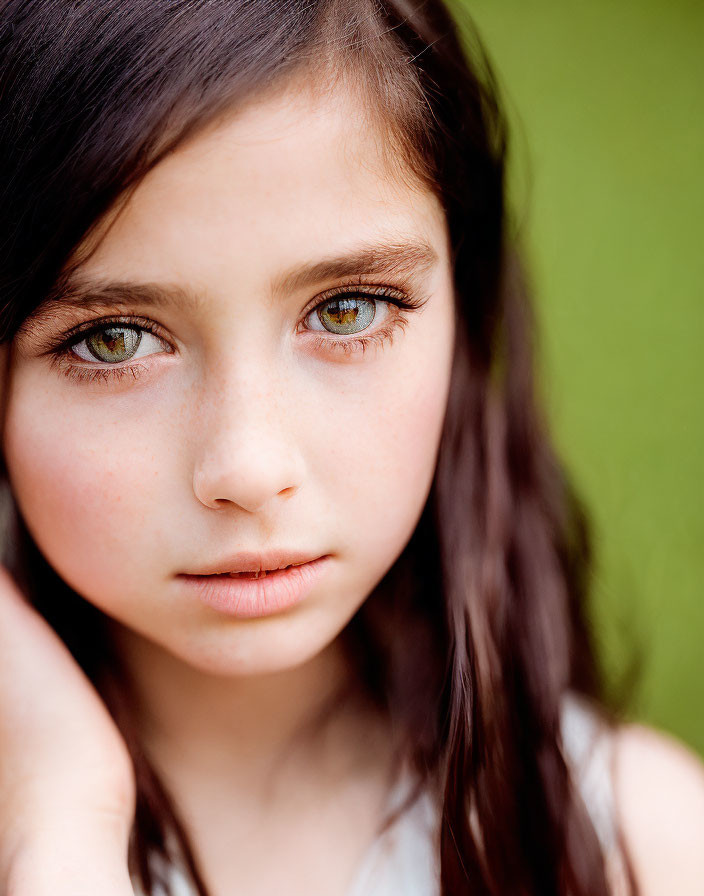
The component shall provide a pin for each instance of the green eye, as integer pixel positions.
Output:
(345, 315)
(112, 344)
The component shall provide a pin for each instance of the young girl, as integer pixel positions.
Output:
(295, 584)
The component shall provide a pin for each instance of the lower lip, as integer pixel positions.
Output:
(252, 598)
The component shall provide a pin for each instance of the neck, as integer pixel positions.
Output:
(241, 732)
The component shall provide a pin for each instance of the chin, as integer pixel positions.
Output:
(241, 657)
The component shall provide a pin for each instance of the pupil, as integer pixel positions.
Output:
(344, 315)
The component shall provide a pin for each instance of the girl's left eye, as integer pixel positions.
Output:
(348, 315)
(344, 315)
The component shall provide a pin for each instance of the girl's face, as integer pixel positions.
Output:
(229, 415)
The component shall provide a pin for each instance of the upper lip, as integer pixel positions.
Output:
(250, 561)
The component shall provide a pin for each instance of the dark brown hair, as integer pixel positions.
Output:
(474, 635)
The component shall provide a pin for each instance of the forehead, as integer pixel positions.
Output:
(292, 174)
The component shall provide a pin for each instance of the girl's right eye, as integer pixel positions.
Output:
(114, 343)
(111, 342)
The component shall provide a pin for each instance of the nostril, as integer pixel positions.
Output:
(236, 480)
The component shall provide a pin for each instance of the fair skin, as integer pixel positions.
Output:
(250, 433)
(243, 431)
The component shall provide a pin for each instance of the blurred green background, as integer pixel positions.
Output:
(606, 102)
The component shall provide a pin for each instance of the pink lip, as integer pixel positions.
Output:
(251, 561)
(250, 598)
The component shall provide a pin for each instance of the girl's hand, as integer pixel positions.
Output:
(67, 790)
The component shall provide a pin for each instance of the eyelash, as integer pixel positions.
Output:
(61, 351)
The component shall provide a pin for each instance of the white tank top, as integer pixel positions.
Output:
(403, 859)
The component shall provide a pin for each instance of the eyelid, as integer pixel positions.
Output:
(82, 331)
(354, 289)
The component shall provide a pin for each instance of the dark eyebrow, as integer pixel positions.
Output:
(386, 259)
(381, 260)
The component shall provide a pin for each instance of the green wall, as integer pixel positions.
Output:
(607, 104)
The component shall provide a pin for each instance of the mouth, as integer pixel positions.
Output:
(257, 574)
(255, 565)
(253, 593)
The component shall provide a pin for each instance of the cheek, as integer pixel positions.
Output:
(379, 442)
(75, 480)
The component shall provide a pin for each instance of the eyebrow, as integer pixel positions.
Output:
(384, 259)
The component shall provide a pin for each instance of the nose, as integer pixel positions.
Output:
(247, 454)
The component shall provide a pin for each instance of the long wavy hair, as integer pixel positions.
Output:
(474, 635)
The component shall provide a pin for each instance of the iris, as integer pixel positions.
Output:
(347, 315)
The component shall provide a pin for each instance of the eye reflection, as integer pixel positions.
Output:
(113, 343)
(346, 315)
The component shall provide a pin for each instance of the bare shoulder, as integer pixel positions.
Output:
(659, 796)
